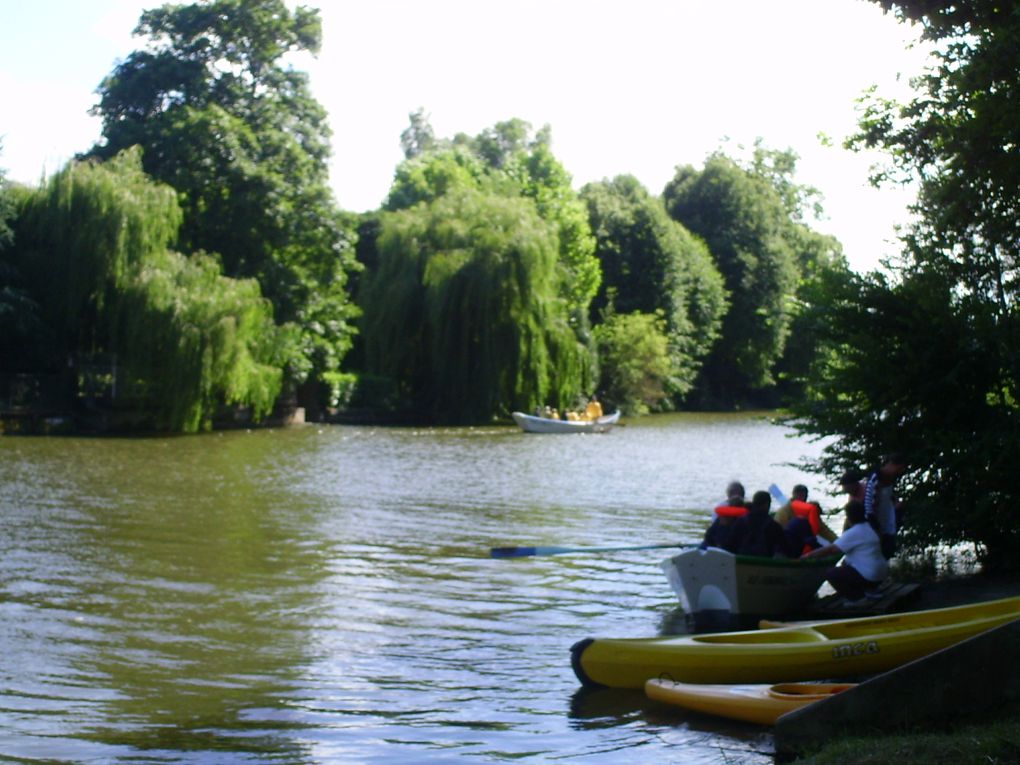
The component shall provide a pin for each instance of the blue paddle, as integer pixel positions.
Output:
(524, 552)
(777, 494)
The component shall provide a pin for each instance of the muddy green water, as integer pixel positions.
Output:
(323, 594)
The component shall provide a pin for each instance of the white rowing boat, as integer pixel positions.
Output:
(531, 424)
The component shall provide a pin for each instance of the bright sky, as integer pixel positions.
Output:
(627, 86)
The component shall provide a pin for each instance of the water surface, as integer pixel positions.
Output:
(324, 593)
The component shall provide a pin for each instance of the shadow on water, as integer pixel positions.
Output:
(700, 737)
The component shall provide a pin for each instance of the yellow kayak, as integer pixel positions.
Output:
(760, 704)
(829, 649)
(911, 619)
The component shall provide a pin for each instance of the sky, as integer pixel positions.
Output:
(633, 87)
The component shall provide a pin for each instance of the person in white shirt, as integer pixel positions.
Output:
(864, 566)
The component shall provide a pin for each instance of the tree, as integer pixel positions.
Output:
(820, 260)
(745, 224)
(80, 237)
(418, 137)
(508, 159)
(635, 360)
(92, 249)
(465, 175)
(6, 208)
(464, 309)
(191, 340)
(650, 263)
(239, 136)
(426, 177)
(927, 362)
(779, 167)
(24, 337)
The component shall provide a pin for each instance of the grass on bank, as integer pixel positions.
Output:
(996, 742)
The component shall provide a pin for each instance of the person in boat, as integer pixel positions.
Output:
(850, 484)
(593, 410)
(879, 506)
(735, 498)
(725, 515)
(757, 533)
(802, 521)
(864, 567)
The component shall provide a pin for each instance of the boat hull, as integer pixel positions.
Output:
(761, 704)
(531, 424)
(718, 586)
(832, 649)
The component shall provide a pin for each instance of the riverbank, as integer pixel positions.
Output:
(994, 740)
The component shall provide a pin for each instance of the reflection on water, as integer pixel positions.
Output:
(324, 594)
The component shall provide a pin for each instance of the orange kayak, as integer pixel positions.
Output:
(761, 704)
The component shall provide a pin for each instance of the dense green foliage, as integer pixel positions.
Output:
(928, 361)
(464, 308)
(743, 220)
(451, 306)
(24, 338)
(239, 136)
(652, 264)
(6, 208)
(635, 361)
(819, 260)
(91, 250)
(507, 159)
(81, 237)
(482, 276)
(192, 340)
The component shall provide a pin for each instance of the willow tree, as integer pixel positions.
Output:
(192, 340)
(92, 246)
(80, 238)
(465, 309)
(24, 338)
(510, 159)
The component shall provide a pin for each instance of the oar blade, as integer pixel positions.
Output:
(513, 552)
(777, 494)
(523, 552)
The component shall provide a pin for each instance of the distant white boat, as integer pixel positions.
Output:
(531, 424)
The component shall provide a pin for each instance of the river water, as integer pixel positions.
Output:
(324, 594)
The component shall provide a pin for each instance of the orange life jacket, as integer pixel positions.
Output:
(731, 511)
(808, 511)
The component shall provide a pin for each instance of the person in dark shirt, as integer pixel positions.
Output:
(724, 516)
(756, 533)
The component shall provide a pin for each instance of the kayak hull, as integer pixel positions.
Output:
(761, 704)
(831, 649)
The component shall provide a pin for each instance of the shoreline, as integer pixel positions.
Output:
(989, 739)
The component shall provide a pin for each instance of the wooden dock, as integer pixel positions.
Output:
(894, 597)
